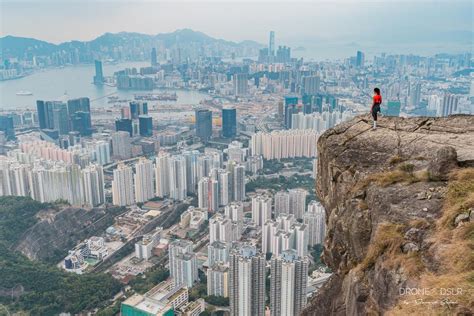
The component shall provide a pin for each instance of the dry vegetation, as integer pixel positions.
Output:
(453, 249)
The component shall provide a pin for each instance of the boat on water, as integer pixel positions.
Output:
(24, 93)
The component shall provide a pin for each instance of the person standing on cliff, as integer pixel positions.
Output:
(377, 100)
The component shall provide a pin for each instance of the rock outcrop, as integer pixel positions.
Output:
(51, 238)
(398, 201)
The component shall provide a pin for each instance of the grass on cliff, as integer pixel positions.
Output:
(387, 242)
(452, 250)
(404, 173)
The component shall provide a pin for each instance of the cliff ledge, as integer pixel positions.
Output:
(399, 212)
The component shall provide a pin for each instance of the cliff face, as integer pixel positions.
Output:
(399, 203)
(51, 238)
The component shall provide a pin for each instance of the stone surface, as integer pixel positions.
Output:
(349, 154)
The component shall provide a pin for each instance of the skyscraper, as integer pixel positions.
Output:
(203, 124)
(315, 219)
(261, 209)
(154, 59)
(137, 109)
(289, 274)
(271, 46)
(240, 82)
(121, 145)
(143, 180)
(238, 176)
(6, 126)
(229, 122)
(218, 252)
(360, 59)
(218, 280)
(60, 118)
(80, 116)
(177, 177)
(122, 186)
(93, 182)
(124, 125)
(99, 75)
(310, 85)
(282, 203)
(247, 281)
(298, 202)
(145, 124)
(182, 263)
(162, 175)
(290, 108)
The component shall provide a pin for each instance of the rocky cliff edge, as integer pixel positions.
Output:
(399, 211)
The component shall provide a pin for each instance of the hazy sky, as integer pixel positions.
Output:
(293, 22)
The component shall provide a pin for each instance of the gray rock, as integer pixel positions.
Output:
(444, 161)
(463, 217)
(410, 247)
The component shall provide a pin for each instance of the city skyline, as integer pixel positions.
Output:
(395, 28)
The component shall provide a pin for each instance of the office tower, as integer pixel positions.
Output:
(360, 59)
(122, 186)
(290, 108)
(229, 122)
(238, 176)
(288, 283)
(271, 46)
(240, 82)
(41, 109)
(298, 202)
(218, 252)
(81, 123)
(449, 105)
(177, 177)
(310, 85)
(124, 125)
(78, 105)
(143, 180)
(203, 124)
(315, 219)
(282, 203)
(102, 152)
(80, 116)
(283, 54)
(121, 145)
(137, 109)
(145, 123)
(93, 182)
(218, 280)
(203, 193)
(224, 187)
(192, 179)
(6, 126)
(154, 59)
(182, 262)
(60, 118)
(99, 75)
(162, 175)
(261, 209)
(247, 281)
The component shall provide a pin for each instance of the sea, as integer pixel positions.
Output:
(76, 81)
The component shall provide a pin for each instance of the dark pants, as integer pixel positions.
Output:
(375, 110)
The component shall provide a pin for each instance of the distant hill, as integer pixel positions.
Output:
(12, 46)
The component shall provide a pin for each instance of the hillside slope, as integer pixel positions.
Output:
(399, 203)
